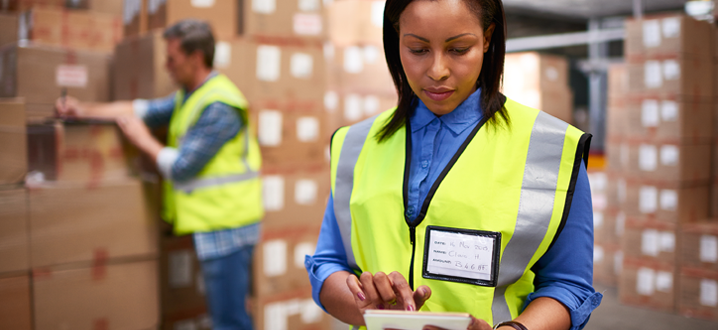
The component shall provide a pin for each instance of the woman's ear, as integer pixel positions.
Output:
(487, 36)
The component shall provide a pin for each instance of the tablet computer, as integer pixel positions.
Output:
(404, 320)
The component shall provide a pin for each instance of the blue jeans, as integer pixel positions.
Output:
(227, 280)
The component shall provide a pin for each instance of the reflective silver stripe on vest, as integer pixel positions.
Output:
(190, 185)
(538, 191)
(351, 148)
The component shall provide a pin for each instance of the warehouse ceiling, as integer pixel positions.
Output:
(584, 9)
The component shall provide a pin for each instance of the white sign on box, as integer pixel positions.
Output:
(154, 5)
(669, 111)
(275, 257)
(264, 6)
(301, 250)
(353, 109)
(269, 59)
(653, 77)
(647, 157)
(664, 281)
(222, 54)
(671, 70)
(671, 27)
(651, 33)
(331, 101)
(371, 105)
(647, 199)
(130, 9)
(202, 3)
(709, 248)
(270, 128)
(597, 220)
(371, 54)
(307, 129)
(301, 65)
(305, 192)
(71, 76)
(649, 242)
(669, 200)
(667, 241)
(307, 24)
(273, 192)
(597, 254)
(353, 59)
(644, 281)
(377, 13)
(308, 5)
(649, 113)
(709, 293)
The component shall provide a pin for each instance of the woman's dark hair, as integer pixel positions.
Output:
(492, 101)
(194, 35)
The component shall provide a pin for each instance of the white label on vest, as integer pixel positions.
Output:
(597, 254)
(202, 3)
(180, 269)
(264, 6)
(644, 281)
(305, 192)
(597, 220)
(353, 107)
(460, 255)
(307, 129)
(651, 33)
(301, 250)
(671, 27)
(652, 74)
(649, 113)
(671, 70)
(275, 257)
(71, 76)
(222, 54)
(353, 59)
(709, 293)
(667, 241)
(669, 111)
(377, 13)
(664, 281)
(620, 224)
(268, 63)
(301, 65)
(371, 105)
(647, 199)
(649, 242)
(331, 101)
(307, 24)
(669, 155)
(270, 128)
(273, 192)
(669, 200)
(709, 248)
(647, 157)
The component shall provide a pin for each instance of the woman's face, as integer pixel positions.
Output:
(442, 46)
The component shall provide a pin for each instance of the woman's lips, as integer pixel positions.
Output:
(438, 95)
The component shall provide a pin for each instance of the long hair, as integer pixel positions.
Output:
(492, 101)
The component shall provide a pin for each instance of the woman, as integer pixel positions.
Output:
(459, 199)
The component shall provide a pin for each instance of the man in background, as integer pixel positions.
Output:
(210, 165)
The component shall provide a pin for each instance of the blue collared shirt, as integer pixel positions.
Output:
(564, 273)
(217, 124)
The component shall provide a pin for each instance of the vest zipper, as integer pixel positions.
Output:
(412, 234)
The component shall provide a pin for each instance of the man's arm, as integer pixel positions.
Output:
(71, 107)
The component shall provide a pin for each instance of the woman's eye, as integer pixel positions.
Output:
(459, 51)
(418, 51)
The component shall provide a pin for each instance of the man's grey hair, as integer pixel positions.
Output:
(194, 35)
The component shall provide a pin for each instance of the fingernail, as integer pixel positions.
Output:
(380, 306)
(361, 296)
(423, 292)
(411, 308)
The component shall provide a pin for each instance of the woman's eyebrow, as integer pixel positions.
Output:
(447, 40)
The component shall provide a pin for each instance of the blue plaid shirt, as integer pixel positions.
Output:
(218, 124)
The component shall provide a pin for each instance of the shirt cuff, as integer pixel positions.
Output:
(318, 273)
(165, 160)
(579, 314)
(140, 108)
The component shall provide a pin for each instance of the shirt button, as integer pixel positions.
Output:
(410, 210)
(424, 164)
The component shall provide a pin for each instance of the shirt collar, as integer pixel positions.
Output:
(211, 75)
(458, 120)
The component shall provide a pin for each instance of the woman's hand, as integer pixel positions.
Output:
(381, 291)
(475, 324)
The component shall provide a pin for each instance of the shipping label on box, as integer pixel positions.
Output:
(649, 240)
(670, 77)
(280, 259)
(302, 19)
(698, 294)
(656, 36)
(668, 119)
(666, 202)
(669, 161)
(294, 198)
(648, 284)
(607, 263)
(699, 246)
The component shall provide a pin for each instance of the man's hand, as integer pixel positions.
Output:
(68, 106)
(381, 291)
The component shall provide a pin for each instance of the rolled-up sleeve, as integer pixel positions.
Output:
(565, 272)
(156, 112)
(329, 257)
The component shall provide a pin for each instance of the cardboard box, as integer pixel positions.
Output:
(669, 162)
(15, 312)
(608, 226)
(698, 293)
(714, 198)
(682, 78)
(355, 22)
(648, 239)
(14, 237)
(359, 68)
(279, 260)
(667, 119)
(139, 69)
(8, 29)
(661, 35)
(181, 279)
(222, 15)
(39, 73)
(699, 245)
(107, 296)
(666, 202)
(617, 81)
(293, 310)
(134, 17)
(607, 264)
(617, 154)
(650, 284)
(75, 29)
(615, 191)
(109, 220)
(13, 141)
(20, 5)
(236, 59)
(295, 19)
(83, 153)
(294, 198)
(290, 133)
(347, 108)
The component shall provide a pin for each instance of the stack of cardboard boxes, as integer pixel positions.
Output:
(659, 145)
(539, 81)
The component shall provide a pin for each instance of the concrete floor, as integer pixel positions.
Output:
(611, 315)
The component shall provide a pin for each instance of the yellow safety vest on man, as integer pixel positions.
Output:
(508, 185)
(227, 192)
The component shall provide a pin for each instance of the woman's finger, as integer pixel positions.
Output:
(367, 282)
(478, 324)
(403, 291)
(421, 295)
(384, 287)
(357, 291)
